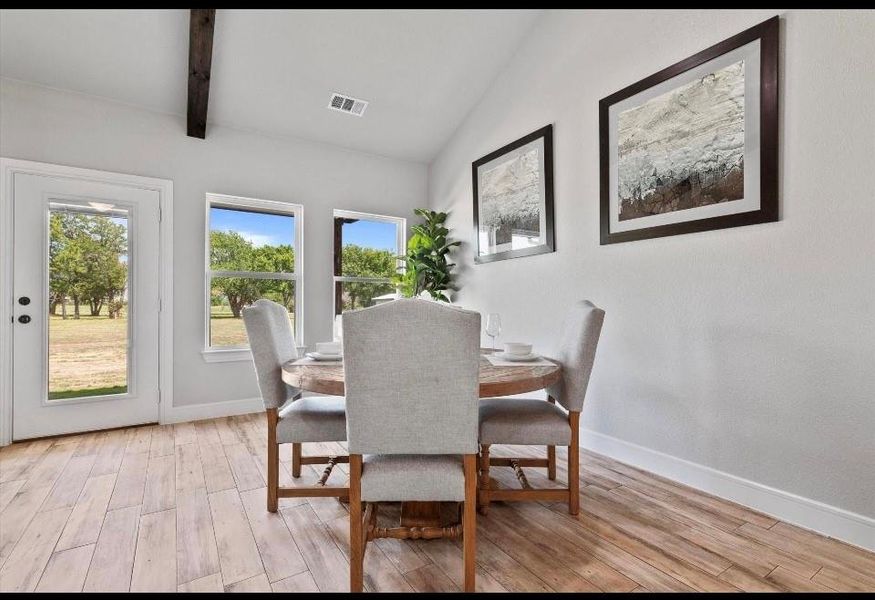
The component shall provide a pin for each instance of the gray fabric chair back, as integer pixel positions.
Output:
(576, 354)
(272, 343)
(412, 378)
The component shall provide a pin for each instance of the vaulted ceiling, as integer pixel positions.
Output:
(273, 71)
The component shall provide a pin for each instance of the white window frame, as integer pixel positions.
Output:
(400, 244)
(240, 353)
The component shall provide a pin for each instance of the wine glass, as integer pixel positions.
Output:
(338, 328)
(493, 327)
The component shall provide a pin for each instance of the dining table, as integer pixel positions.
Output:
(495, 381)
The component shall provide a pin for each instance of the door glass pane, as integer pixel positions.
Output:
(228, 297)
(88, 300)
(251, 240)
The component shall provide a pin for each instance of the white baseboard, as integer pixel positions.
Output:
(828, 520)
(212, 410)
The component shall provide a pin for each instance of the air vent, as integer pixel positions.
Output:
(348, 105)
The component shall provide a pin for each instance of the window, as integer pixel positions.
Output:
(366, 248)
(253, 252)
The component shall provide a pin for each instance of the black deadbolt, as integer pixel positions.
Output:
(24, 319)
(24, 301)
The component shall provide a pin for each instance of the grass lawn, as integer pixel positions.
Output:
(84, 393)
(226, 330)
(87, 356)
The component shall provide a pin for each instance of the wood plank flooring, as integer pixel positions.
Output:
(182, 507)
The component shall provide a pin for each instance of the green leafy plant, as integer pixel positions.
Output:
(426, 266)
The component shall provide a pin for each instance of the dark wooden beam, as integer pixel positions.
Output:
(200, 58)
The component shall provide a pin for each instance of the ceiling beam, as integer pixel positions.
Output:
(200, 58)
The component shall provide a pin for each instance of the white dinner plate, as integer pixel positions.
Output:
(324, 357)
(517, 357)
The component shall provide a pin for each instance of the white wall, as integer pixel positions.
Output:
(59, 127)
(748, 350)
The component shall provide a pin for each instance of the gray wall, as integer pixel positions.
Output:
(65, 128)
(748, 350)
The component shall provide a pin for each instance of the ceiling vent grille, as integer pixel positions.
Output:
(347, 104)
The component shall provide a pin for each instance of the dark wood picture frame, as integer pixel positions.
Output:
(549, 245)
(767, 33)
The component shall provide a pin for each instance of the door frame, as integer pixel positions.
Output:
(164, 187)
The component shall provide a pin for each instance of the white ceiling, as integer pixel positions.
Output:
(273, 71)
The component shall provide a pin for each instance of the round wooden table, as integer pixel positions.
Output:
(327, 378)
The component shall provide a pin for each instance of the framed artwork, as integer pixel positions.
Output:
(694, 147)
(513, 199)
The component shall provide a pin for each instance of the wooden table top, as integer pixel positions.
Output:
(494, 381)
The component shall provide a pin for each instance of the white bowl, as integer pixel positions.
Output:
(517, 348)
(324, 357)
(328, 347)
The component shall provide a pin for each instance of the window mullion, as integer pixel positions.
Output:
(255, 275)
(352, 279)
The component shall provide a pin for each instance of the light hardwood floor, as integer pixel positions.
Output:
(182, 507)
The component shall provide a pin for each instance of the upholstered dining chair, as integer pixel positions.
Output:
(412, 391)
(534, 422)
(290, 418)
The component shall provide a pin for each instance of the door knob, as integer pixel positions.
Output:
(24, 301)
(24, 319)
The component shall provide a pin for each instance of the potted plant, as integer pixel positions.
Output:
(426, 268)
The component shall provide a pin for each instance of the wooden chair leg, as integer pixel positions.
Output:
(296, 460)
(273, 462)
(483, 492)
(574, 464)
(356, 540)
(551, 463)
(469, 521)
(551, 452)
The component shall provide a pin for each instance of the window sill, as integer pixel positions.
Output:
(216, 355)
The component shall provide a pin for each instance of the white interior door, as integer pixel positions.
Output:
(94, 246)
